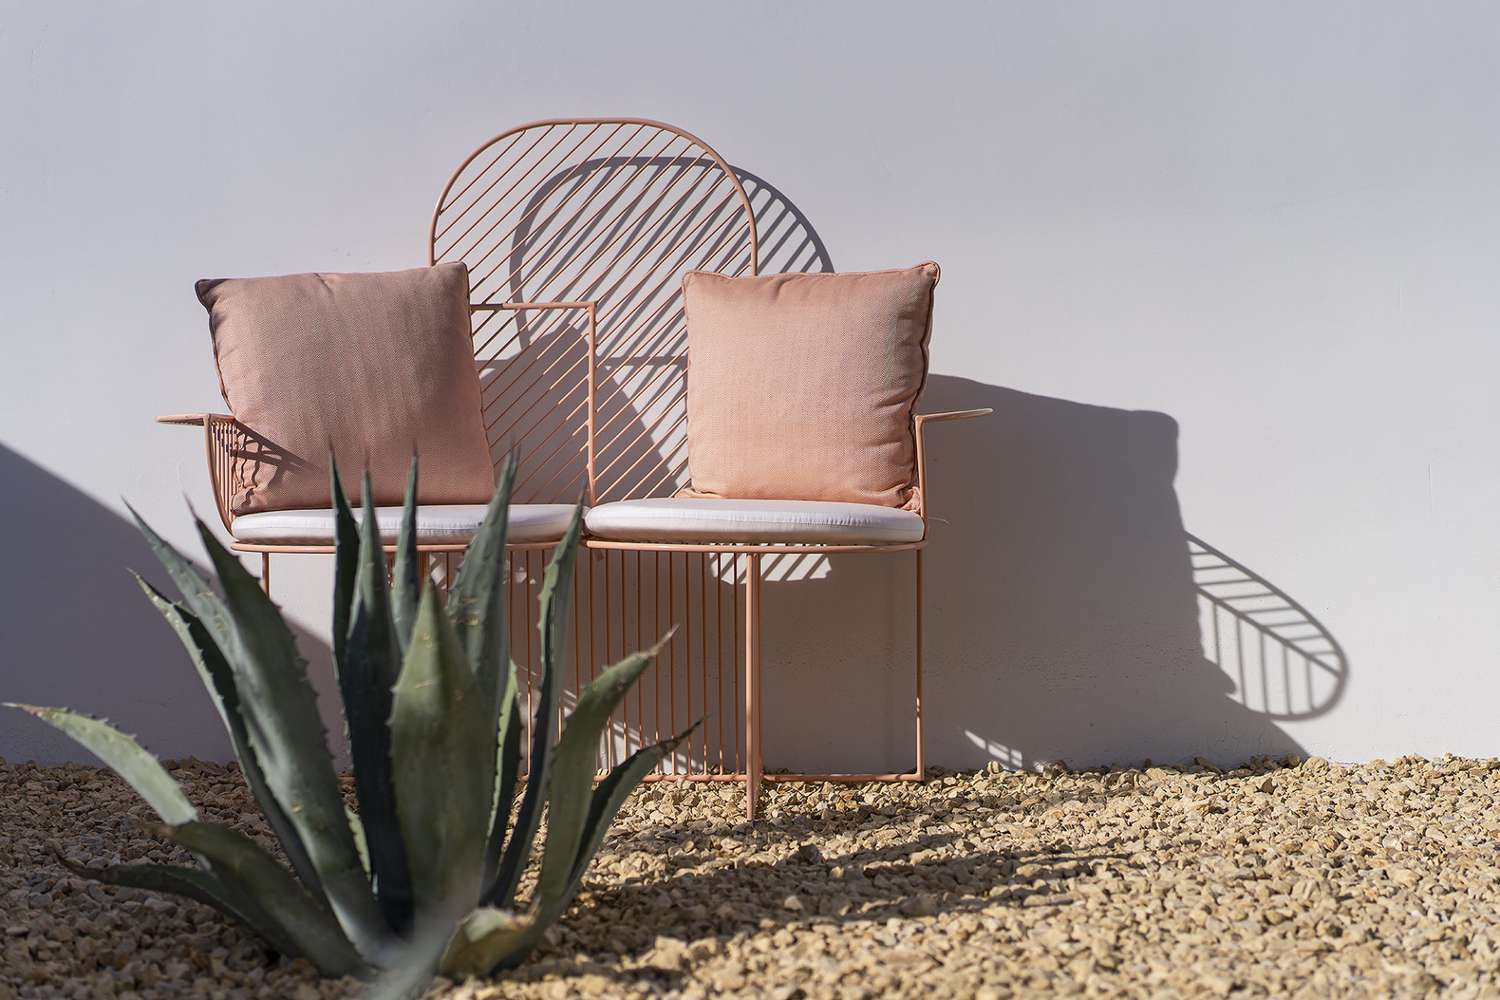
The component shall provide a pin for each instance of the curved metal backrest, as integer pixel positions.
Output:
(577, 233)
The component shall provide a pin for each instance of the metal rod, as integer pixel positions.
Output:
(656, 667)
(525, 625)
(609, 744)
(625, 650)
(640, 613)
(518, 278)
(734, 617)
(703, 646)
(687, 632)
(508, 191)
(719, 649)
(753, 761)
(921, 768)
(672, 654)
(442, 208)
(480, 196)
(582, 179)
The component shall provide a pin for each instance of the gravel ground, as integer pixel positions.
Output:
(1313, 880)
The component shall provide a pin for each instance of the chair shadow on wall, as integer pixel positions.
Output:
(79, 633)
(1070, 613)
(618, 230)
(1076, 618)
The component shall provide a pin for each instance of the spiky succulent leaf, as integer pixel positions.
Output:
(574, 762)
(491, 939)
(477, 607)
(557, 588)
(372, 665)
(607, 798)
(406, 572)
(438, 728)
(508, 947)
(345, 563)
(413, 963)
(286, 732)
(199, 597)
(125, 756)
(201, 885)
(476, 600)
(214, 618)
(248, 871)
(357, 830)
(507, 771)
(218, 679)
(487, 938)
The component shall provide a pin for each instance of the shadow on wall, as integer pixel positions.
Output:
(1074, 617)
(1070, 614)
(79, 633)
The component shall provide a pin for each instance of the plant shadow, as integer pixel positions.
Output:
(786, 883)
(80, 634)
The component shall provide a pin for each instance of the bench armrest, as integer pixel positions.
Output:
(190, 419)
(223, 438)
(933, 418)
(920, 422)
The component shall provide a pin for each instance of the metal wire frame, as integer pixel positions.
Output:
(604, 210)
(598, 218)
(751, 765)
(608, 213)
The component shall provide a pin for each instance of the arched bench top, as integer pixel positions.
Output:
(577, 230)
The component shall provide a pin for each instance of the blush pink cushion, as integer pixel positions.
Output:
(373, 366)
(801, 386)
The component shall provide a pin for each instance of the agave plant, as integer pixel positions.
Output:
(423, 877)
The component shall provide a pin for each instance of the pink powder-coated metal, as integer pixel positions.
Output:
(577, 233)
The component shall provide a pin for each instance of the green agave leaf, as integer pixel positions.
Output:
(286, 732)
(507, 771)
(216, 623)
(413, 963)
(477, 607)
(476, 600)
(574, 763)
(199, 597)
(406, 573)
(557, 589)
(438, 729)
(372, 665)
(607, 798)
(125, 756)
(250, 873)
(486, 938)
(205, 887)
(217, 677)
(357, 829)
(500, 939)
(553, 899)
(345, 563)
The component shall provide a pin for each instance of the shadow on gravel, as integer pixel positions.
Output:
(921, 876)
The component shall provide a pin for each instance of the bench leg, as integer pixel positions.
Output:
(753, 763)
(921, 768)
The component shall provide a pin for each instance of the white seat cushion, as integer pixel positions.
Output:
(437, 524)
(811, 522)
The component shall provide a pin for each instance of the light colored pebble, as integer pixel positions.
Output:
(1280, 878)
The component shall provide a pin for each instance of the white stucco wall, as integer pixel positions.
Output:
(1224, 268)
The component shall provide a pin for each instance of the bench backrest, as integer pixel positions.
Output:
(577, 233)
